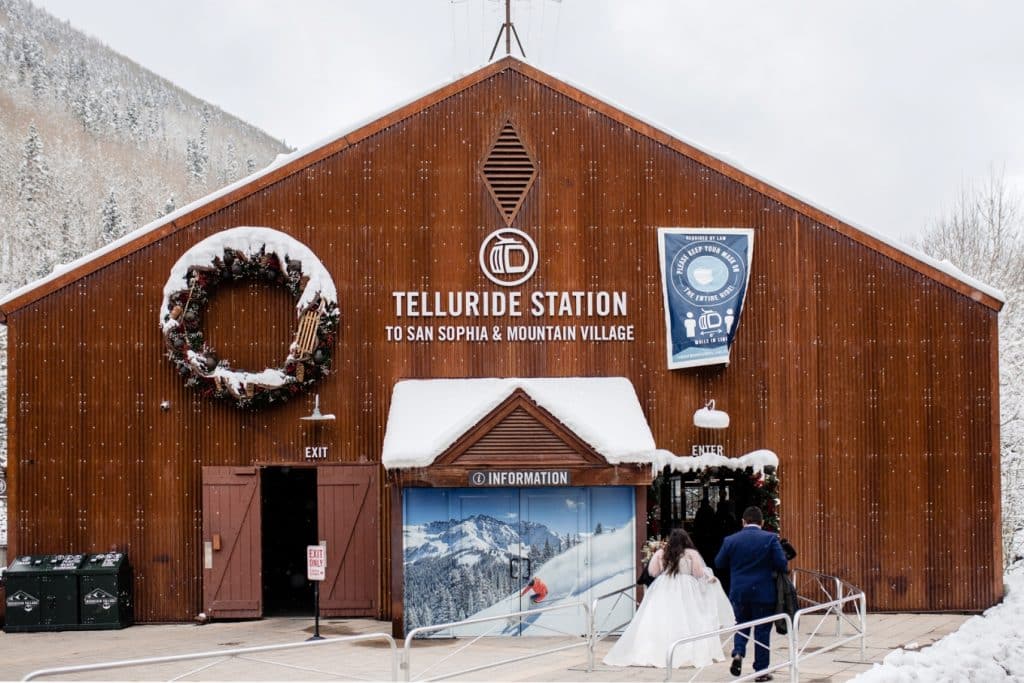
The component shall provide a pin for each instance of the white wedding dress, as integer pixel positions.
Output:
(675, 606)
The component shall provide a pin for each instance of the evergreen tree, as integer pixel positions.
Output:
(197, 151)
(169, 207)
(111, 223)
(66, 251)
(230, 172)
(598, 530)
(195, 161)
(31, 251)
(33, 174)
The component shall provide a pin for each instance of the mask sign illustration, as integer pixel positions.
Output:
(704, 281)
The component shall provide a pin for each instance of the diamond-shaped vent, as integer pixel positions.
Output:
(508, 172)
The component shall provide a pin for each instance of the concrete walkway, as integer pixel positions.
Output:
(21, 653)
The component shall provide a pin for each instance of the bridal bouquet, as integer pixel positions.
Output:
(650, 547)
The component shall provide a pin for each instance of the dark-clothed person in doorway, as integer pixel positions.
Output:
(752, 556)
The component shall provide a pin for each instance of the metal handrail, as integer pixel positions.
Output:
(790, 638)
(842, 589)
(407, 650)
(860, 602)
(593, 638)
(120, 664)
(853, 595)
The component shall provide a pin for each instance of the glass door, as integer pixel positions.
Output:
(553, 571)
(475, 552)
(612, 566)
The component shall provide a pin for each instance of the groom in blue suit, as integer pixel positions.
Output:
(751, 555)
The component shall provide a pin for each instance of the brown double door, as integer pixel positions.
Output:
(257, 523)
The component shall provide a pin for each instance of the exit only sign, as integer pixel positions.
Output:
(316, 562)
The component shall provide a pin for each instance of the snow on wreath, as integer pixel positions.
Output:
(263, 255)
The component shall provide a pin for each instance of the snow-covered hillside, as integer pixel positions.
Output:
(91, 146)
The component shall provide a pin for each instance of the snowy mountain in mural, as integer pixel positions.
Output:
(470, 540)
(478, 566)
(458, 567)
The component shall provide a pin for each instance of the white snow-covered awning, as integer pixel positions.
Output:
(427, 416)
(757, 460)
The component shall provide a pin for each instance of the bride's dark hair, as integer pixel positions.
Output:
(678, 542)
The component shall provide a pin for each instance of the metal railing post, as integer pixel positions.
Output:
(407, 655)
(863, 623)
(839, 614)
(794, 670)
(592, 636)
(796, 641)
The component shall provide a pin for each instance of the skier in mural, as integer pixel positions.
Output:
(539, 588)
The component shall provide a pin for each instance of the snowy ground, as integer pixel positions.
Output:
(989, 647)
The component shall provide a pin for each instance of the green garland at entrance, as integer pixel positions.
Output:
(766, 496)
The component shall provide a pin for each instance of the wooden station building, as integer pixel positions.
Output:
(870, 371)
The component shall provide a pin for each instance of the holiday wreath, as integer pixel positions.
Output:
(258, 254)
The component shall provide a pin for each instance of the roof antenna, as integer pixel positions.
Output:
(510, 30)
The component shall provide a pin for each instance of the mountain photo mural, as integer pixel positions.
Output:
(470, 553)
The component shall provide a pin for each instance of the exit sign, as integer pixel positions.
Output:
(316, 562)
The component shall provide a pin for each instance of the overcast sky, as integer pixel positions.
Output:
(875, 111)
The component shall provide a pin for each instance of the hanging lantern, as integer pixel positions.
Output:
(709, 418)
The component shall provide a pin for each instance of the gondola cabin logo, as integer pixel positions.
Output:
(508, 257)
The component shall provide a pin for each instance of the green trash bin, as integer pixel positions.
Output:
(105, 587)
(42, 593)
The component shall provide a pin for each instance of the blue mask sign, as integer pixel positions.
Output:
(704, 275)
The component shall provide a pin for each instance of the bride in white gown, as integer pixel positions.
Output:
(684, 600)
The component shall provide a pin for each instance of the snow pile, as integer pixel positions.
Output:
(757, 460)
(428, 416)
(251, 241)
(986, 648)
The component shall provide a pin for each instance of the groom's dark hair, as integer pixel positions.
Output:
(752, 515)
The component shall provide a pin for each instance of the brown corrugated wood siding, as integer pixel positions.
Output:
(871, 381)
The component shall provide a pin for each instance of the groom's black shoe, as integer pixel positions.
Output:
(737, 665)
(764, 677)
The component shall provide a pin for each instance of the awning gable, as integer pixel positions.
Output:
(428, 416)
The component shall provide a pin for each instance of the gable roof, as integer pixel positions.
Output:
(427, 416)
(287, 165)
